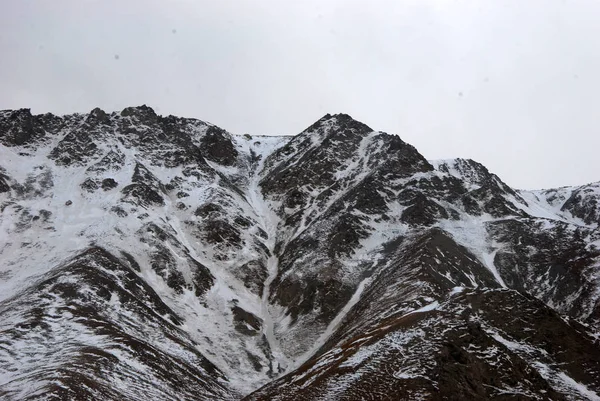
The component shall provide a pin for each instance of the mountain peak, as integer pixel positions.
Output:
(97, 114)
(338, 123)
(143, 113)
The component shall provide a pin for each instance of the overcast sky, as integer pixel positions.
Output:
(512, 84)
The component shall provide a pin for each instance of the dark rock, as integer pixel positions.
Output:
(246, 322)
(242, 221)
(141, 175)
(108, 184)
(142, 194)
(165, 266)
(4, 187)
(119, 211)
(584, 203)
(97, 115)
(216, 145)
(132, 262)
(295, 198)
(114, 160)
(75, 149)
(89, 185)
(423, 211)
(209, 209)
(253, 274)
(142, 113)
(312, 293)
(345, 236)
(202, 278)
(19, 129)
(219, 231)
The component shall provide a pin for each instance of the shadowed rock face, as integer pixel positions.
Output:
(218, 147)
(165, 258)
(584, 203)
(4, 187)
(19, 127)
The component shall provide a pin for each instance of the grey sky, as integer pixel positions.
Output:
(512, 84)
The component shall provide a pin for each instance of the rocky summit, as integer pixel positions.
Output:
(145, 257)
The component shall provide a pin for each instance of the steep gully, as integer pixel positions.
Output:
(268, 222)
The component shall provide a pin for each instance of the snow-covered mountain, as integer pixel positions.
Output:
(164, 258)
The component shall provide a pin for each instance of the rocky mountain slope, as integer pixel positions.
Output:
(157, 257)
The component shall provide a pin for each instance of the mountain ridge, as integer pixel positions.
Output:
(272, 252)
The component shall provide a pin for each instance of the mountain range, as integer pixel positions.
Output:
(164, 258)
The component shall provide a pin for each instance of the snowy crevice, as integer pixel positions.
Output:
(268, 221)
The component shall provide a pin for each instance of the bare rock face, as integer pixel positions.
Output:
(584, 203)
(20, 128)
(217, 146)
(159, 257)
(4, 187)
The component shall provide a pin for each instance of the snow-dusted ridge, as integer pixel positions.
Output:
(258, 258)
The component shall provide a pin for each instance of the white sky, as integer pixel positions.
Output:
(514, 84)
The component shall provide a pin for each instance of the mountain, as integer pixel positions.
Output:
(155, 257)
